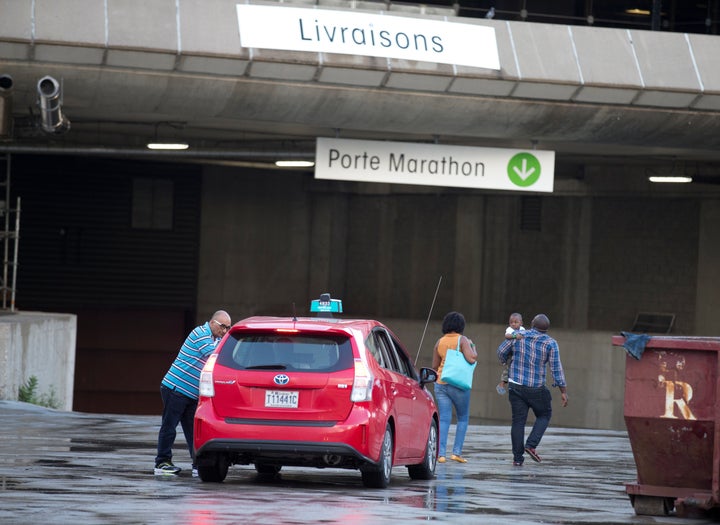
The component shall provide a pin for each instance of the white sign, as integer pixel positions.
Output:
(434, 165)
(365, 34)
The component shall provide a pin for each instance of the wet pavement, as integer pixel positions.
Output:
(71, 467)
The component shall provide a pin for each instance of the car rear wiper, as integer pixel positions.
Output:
(267, 367)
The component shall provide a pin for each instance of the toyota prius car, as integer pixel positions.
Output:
(319, 392)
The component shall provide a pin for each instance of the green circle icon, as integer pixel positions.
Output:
(523, 170)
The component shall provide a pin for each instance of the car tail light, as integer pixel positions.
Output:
(363, 382)
(207, 389)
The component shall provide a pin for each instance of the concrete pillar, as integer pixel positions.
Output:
(328, 246)
(499, 237)
(707, 298)
(576, 257)
(386, 240)
(469, 249)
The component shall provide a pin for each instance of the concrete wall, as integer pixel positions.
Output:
(594, 370)
(41, 345)
(597, 258)
(594, 258)
(708, 285)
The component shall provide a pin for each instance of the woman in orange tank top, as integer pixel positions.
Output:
(449, 396)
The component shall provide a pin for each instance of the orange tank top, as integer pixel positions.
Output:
(445, 343)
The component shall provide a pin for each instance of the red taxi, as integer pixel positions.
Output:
(317, 392)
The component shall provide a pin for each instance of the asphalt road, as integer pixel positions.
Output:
(71, 468)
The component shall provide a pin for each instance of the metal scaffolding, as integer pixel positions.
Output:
(10, 237)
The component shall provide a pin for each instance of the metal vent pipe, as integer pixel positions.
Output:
(6, 84)
(52, 119)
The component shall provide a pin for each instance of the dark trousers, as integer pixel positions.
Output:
(177, 408)
(522, 399)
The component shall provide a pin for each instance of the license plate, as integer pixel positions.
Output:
(281, 399)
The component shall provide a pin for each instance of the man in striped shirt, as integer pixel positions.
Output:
(179, 389)
(526, 385)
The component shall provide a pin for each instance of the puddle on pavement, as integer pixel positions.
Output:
(52, 462)
(9, 483)
(94, 445)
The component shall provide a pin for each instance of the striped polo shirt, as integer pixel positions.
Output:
(184, 373)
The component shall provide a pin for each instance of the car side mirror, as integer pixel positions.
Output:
(428, 375)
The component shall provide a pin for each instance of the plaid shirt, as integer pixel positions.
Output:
(530, 355)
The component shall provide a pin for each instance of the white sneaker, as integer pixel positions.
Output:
(194, 472)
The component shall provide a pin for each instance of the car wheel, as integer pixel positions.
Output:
(266, 469)
(426, 469)
(213, 467)
(378, 476)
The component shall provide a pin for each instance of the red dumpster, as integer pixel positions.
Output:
(672, 415)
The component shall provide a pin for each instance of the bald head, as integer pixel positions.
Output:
(541, 323)
(220, 323)
(221, 316)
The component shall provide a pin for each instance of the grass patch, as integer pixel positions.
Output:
(28, 393)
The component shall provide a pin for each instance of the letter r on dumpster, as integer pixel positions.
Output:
(682, 402)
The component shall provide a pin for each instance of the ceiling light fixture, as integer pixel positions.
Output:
(672, 180)
(176, 146)
(168, 142)
(636, 11)
(294, 163)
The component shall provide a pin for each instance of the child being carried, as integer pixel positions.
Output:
(514, 331)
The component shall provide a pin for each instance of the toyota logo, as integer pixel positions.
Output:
(281, 379)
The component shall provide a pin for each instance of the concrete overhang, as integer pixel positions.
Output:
(133, 70)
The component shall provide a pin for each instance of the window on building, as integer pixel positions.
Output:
(531, 214)
(152, 204)
(679, 17)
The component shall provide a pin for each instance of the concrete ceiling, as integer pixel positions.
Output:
(250, 119)
(601, 96)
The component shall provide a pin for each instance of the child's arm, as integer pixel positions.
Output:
(513, 334)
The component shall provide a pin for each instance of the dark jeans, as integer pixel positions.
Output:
(177, 408)
(522, 399)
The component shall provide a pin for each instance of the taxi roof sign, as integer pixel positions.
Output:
(326, 305)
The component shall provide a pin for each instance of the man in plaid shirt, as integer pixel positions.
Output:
(526, 385)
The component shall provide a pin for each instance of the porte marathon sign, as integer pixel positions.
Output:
(367, 34)
(434, 165)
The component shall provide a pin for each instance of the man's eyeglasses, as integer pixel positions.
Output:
(225, 326)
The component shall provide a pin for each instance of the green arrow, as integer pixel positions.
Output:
(524, 170)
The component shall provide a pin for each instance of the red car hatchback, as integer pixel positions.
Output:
(320, 392)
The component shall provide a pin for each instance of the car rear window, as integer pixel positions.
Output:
(295, 352)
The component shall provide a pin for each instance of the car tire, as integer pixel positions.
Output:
(426, 469)
(267, 469)
(378, 476)
(213, 468)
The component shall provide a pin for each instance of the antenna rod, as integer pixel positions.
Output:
(428, 319)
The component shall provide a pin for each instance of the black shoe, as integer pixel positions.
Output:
(517, 463)
(531, 452)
